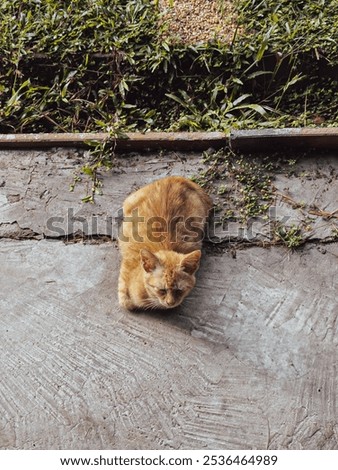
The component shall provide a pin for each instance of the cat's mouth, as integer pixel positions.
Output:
(170, 304)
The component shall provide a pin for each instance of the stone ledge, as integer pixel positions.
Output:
(239, 140)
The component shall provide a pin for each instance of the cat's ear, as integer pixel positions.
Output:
(191, 262)
(149, 261)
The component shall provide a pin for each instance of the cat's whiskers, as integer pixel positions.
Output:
(151, 304)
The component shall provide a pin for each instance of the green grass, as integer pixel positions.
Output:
(68, 65)
(76, 66)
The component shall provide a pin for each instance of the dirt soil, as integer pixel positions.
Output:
(196, 21)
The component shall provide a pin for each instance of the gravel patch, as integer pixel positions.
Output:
(199, 21)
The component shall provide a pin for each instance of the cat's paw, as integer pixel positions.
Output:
(125, 301)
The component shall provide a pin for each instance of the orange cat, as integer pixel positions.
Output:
(160, 242)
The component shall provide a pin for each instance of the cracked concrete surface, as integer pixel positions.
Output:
(248, 361)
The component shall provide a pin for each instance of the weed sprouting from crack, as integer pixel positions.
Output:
(334, 232)
(241, 186)
(101, 156)
(292, 236)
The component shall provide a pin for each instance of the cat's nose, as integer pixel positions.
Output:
(170, 301)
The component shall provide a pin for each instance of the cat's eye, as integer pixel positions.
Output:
(162, 291)
(178, 291)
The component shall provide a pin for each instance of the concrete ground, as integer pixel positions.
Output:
(249, 361)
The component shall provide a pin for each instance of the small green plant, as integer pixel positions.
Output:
(102, 156)
(289, 236)
(223, 189)
(334, 232)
